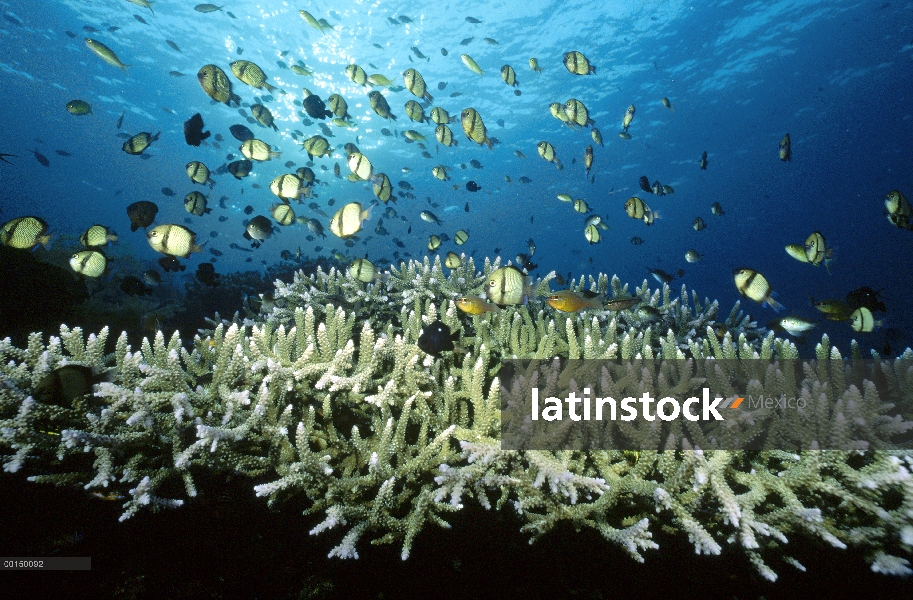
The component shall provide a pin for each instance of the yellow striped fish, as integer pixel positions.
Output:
(251, 74)
(474, 127)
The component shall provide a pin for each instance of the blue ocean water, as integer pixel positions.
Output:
(835, 75)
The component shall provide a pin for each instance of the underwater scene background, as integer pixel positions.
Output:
(736, 77)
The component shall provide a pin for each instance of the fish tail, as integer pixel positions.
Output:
(123, 67)
(429, 97)
(773, 304)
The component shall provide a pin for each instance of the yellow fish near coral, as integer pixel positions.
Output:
(568, 301)
(472, 305)
(752, 284)
(507, 285)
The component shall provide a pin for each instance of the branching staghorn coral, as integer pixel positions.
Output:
(328, 396)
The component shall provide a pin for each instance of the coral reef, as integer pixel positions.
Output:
(326, 395)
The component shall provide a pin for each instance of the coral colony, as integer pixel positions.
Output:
(326, 393)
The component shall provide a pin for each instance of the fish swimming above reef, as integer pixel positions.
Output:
(142, 214)
(437, 338)
(174, 240)
(24, 233)
(752, 284)
(507, 285)
(569, 301)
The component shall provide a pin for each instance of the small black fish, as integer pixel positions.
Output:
(173, 45)
(441, 85)
(175, 73)
(444, 51)
(660, 275)
(113, 28)
(140, 19)
(248, 209)
(378, 46)
(404, 19)
(240, 51)
(206, 274)
(645, 184)
(89, 29)
(865, 297)
(120, 121)
(41, 158)
(241, 133)
(466, 208)
(315, 107)
(473, 20)
(437, 338)
(455, 94)
(472, 186)
(524, 262)
(171, 264)
(193, 130)
(70, 34)
(168, 191)
(63, 153)
(636, 241)
(215, 252)
(230, 14)
(222, 219)
(133, 286)
(467, 41)
(418, 53)
(497, 251)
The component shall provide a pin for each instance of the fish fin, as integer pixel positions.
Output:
(773, 304)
